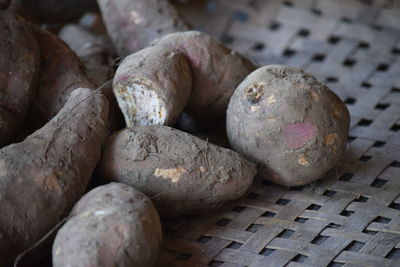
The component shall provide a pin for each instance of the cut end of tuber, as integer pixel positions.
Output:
(140, 105)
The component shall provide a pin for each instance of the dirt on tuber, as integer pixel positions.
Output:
(181, 173)
(292, 126)
(112, 225)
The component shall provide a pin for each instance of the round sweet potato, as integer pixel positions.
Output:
(217, 71)
(112, 225)
(181, 173)
(294, 127)
(152, 86)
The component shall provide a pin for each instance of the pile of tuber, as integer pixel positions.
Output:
(42, 177)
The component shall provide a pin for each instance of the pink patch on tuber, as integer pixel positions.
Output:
(298, 134)
(124, 77)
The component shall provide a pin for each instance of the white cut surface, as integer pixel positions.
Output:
(140, 105)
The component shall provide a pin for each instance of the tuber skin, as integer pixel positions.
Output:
(112, 225)
(134, 24)
(94, 51)
(152, 86)
(181, 173)
(19, 72)
(43, 176)
(62, 72)
(217, 71)
(292, 126)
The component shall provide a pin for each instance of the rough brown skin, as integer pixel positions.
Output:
(217, 71)
(152, 86)
(134, 24)
(62, 72)
(181, 174)
(53, 11)
(294, 127)
(112, 225)
(95, 52)
(19, 72)
(43, 176)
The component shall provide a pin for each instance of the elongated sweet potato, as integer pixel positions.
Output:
(181, 174)
(217, 71)
(152, 86)
(95, 51)
(43, 176)
(62, 72)
(294, 127)
(19, 71)
(134, 24)
(112, 225)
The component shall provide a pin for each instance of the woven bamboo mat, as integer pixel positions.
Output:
(351, 218)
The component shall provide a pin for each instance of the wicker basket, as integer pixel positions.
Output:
(351, 218)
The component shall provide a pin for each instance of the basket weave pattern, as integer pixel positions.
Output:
(351, 218)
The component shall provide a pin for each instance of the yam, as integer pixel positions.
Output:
(62, 72)
(217, 71)
(181, 174)
(292, 126)
(94, 51)
(152, 86)
(19, 72)
(43, 176)
(112, 225)
(134, 24)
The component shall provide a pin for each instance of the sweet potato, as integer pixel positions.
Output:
(62, 72)
(294, 127)
(19, 72)
(217, 71)
(152, 86)
(134, 24)
(95, 52)
(181, 174)
(43, 176)
(112, 225)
